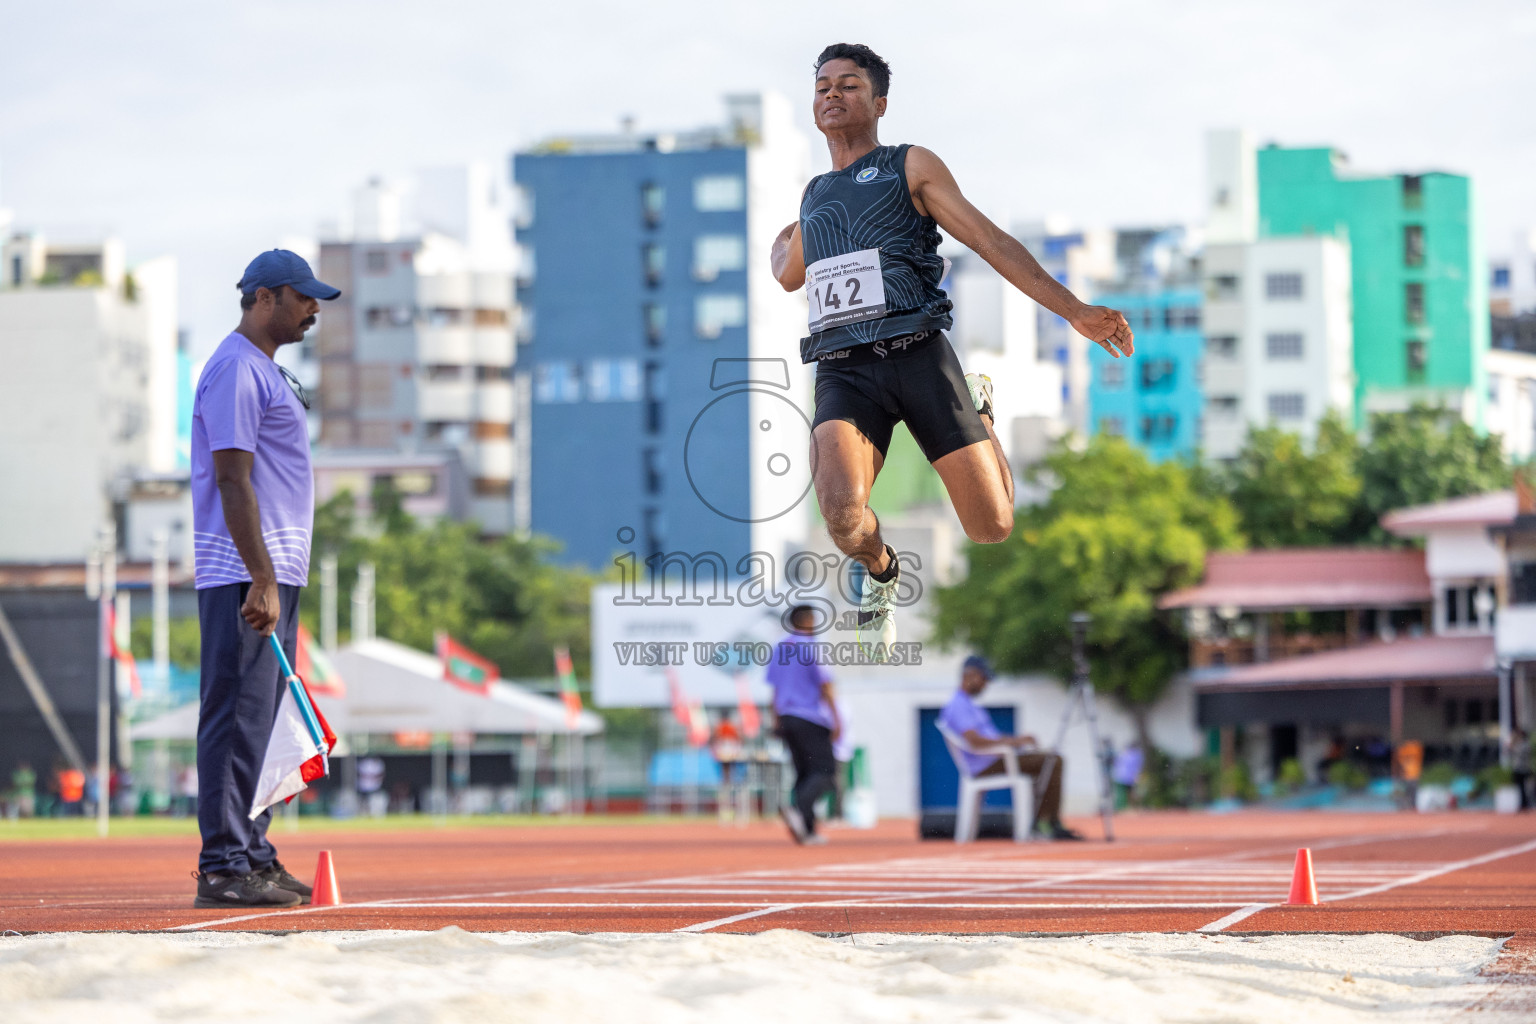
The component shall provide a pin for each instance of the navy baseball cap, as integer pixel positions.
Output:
(277, 267)
(980, 664)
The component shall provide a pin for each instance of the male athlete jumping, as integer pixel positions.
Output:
(865, 248)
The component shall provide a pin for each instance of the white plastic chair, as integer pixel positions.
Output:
(972, 788)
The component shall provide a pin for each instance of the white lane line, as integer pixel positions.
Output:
(1231, 919)
(760, 909)
(1444, 869)
(705, 926)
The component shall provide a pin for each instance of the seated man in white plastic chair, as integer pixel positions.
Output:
(970, 721)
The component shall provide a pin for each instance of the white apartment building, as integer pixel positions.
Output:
(1279, 336)
(417, 353)
(1511, 409)
(89, 389)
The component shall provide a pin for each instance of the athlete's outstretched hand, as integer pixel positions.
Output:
(1107, 327)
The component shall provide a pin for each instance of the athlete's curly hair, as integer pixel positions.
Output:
(864, 57)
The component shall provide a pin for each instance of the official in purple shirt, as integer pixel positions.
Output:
(253, 506)
(806, 720)
(970, 721)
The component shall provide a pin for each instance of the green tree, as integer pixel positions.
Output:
(1288, 496)
(1424, 455)
(504, 597)
(1116, 533)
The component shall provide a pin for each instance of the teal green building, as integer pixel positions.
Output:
(1420, 294)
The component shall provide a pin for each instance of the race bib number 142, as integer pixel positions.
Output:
(845, 289)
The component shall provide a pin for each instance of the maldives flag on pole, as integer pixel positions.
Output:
(299, 750)
(688, 712)
(315, 668)
(568, 692)
(463, 667)
(122, 658)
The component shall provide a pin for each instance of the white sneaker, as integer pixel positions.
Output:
(877, 620)
(794, 822)
(980, 387)
(816, 839)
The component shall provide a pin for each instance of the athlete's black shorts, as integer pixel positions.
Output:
(916, 379)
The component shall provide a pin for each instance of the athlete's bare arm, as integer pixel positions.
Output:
(936, 195)
(788, 258)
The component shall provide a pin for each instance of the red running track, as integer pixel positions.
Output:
(1405, 873)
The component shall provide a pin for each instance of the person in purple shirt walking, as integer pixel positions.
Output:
(967, 719)
(805, 718)
(253, 507)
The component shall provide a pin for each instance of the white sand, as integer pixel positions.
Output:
(452, 975)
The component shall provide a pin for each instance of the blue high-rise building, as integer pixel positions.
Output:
(1155, 399)
(661, 393)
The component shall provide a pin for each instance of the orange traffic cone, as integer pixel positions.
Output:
(1303, 884)
(327, 892)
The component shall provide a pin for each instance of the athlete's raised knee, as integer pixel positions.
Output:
(843, 512)
(991, 529)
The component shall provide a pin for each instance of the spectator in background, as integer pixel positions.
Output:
(1409, 758)
(370, 782)
(24, 789)
(71, 790)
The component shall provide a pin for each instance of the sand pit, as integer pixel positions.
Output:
(452, 975)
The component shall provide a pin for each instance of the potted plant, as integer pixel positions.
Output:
(1435, 787)
(1500, 781)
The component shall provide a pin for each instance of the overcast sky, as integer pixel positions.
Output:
(211, 130)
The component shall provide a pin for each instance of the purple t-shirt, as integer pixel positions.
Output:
(962, 715)
(797, 681)
(243, 402)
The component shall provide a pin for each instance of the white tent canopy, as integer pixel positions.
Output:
(393, 688)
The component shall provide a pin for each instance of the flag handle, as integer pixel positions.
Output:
(300, 695)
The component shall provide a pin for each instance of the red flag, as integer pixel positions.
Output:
(568, 692)
(751, 721)
(314, 667)
(688, 712)
(123, 659)
(464, 668)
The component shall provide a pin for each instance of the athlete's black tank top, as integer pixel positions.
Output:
(867, 205)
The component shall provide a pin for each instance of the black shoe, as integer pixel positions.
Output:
(279, 876)
(1056, 830)
(220, 890)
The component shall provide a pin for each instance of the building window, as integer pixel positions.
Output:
(1500, 275)
(491, 318)
(613, 380)
(1418, 358)
(445, 373)
(653, 200)
(1223, 405)
(716, 193)
(16, 272)
(376, 261)
(557, 382)
(1112, 426)
(1413, 301)
(1522, 583)
(1221, 345)
(1413, 245)
(1287, 406)
(1283, 346)
(1181, 318)
(1224, 287)
(1157, 375)
(655, 315)
(487, 374)
(1159, 428)
(714, 313)
(1282, 286)
(1112, 374)
(389, 316)
(1413, 191)
(714, 253)
(652, 465)
(1495, 385)
(654, 258)
(655, 394)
